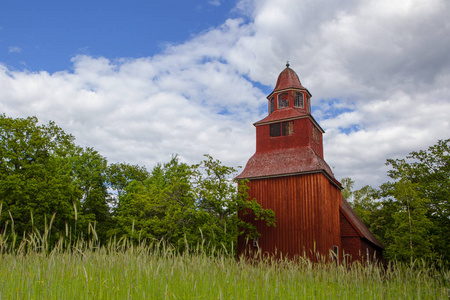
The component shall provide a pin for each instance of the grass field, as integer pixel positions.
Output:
(120, 270)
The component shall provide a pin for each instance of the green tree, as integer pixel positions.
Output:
(221, 198)
(35, 173)
(120, 175)
(179, 203)
(90, 177)
(430, 170)
(418, 201)
(410, 232)
(43, 174)
(366, 204)
(162, 207)
(347, 188)
(410, 214)
(363, 201)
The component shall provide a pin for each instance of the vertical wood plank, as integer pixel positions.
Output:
(307, 210)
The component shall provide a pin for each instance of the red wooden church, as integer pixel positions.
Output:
(289, 175)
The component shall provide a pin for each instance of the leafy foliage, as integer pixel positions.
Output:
(160, 207)
(119, 175)
(45, 178)
(410, 214)
(183, 204)
(43, 173)
(421, 194)
(362, 200)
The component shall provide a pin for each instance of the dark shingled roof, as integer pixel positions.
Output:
(358, 224)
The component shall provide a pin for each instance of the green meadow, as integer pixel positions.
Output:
(122, 270)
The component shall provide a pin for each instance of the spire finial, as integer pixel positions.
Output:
(287, 64)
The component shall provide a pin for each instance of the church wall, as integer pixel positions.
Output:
(351, 248)
(347, 229)
(317, 145)
(307, 210)
(370, 252)
(302, 137)
(354, 247)
(299, 139)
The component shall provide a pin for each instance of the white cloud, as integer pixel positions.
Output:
(215, 2)
(379, 73)
(140, 110)
(13, 49)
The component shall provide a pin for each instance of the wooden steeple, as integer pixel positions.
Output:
(289, 175)
(288, 140)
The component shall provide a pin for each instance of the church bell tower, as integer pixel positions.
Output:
(289, 175)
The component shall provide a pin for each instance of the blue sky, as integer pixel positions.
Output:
(142, 80)
(45, 35)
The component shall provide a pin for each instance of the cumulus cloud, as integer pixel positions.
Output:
(378, 70)
(186, 101)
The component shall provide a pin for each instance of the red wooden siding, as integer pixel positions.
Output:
(354, 246)
(302, 137)
(306, 207)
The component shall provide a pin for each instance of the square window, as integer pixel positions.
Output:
(275, 129)
(316, 134)
(288, 128)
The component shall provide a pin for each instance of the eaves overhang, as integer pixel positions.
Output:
(262, 122)
(324, 172)
(289, 89)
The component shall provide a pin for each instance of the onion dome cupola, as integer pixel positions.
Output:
(289, 92)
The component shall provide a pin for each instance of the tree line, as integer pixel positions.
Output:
(47, 181)
(410, 214)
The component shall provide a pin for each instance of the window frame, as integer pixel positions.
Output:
(275, 130)
(316, 134)
(282, 102)
(271, 105)
(281, 129)
(298, 100)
